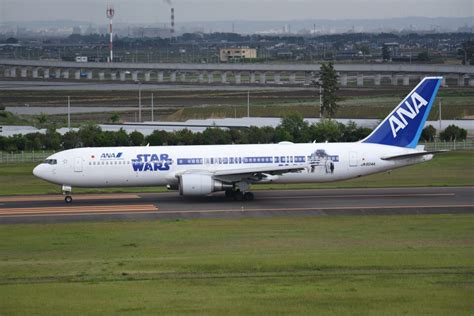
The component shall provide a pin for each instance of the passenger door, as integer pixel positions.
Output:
(78, 164)
(353, 159)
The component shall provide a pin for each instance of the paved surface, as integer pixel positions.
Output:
(121, 86)
(389, 201)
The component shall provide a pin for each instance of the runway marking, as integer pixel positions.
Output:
(364, 195)
(81, 197)
(243, 209)
(78, 209)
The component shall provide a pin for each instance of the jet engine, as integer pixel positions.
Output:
(200, 184)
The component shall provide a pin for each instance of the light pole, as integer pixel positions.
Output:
(152, 115)
(440, 100)
(69, 112)
(248, 103)
(139, 101)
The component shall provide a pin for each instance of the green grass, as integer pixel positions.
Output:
(450, 169)
(367, 265)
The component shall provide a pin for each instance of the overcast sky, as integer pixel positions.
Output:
(151, 11)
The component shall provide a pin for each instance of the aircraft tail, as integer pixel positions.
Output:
(403, 126)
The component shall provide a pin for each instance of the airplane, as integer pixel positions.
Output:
(200, 170)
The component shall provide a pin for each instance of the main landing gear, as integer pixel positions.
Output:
(238, 195)
(67, 193)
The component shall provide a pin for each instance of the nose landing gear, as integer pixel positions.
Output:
(67, 193)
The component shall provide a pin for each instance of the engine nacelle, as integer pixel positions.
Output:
(199, 184)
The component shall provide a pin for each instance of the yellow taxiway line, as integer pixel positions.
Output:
(78, 209)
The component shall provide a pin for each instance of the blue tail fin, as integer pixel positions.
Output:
(403, 126)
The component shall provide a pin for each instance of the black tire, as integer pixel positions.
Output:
(248, 196)
(229, 193)
(238, 196)
(68, 199)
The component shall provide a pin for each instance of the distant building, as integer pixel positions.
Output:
(237, 54)
(393, 48)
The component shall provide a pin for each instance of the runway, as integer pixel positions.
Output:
(327, 202)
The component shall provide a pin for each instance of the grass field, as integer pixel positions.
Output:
(362, 265)
(450, 169)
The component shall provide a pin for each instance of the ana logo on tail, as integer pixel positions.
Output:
(398, 120)
(402, 127)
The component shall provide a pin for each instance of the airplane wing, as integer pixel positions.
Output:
(412, 155)
(252, 174)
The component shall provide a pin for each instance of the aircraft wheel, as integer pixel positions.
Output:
(238, 196)
(229, 193)
(68, 199)
(248, 196)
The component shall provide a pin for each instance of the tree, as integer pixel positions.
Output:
(466, 52)
(136, 138)
(453, 133)
(428, 133)
(114, 118)
(295, 125)
(328, 82)
(42, 119)
(326, 130)
(423, 56)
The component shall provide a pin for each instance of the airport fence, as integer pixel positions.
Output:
(441, 145)
(24, 156)
(37, 156)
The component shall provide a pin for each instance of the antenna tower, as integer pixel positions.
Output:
(110, 15)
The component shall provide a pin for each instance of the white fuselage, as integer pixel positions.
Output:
(161, 165)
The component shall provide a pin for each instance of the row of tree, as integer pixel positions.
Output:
(292, 128)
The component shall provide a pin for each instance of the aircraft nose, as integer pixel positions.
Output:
(37, 171)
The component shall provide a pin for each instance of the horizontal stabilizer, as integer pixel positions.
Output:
(412, 155)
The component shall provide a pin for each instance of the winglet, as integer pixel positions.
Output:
(403, 126)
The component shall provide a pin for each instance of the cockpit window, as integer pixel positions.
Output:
(51, 161)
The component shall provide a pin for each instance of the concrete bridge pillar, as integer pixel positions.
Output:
(224, 77)
(160, 76)
(292, 78)
(461, 80)
(57, 73)
(147, 76)
(6, 72)
(66, 73)
(344, 80)
(34, 73)
(277, 78)
(360, 80)
(46, 73)
(13, 72)
(210, 77)
(471, 82)
(135, 75)
(122, 75)
(238, 77)
(24, 72)
(201, 77)
(89, 74)
(406, 80)
(394, 80)
(252, 77)
(113, 75)
(101, 75)
(173, 76)
(77, 74)
(182, 77)
(377, 79)
(263, 78)
(307, 78)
